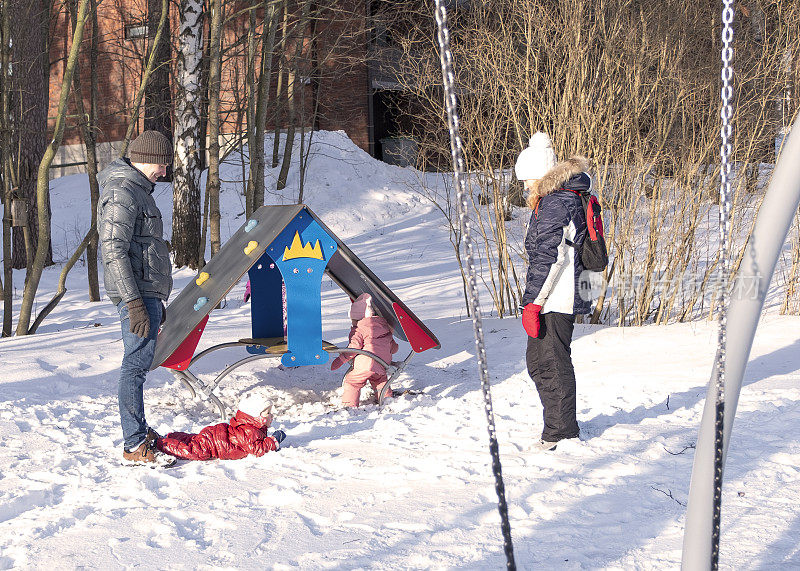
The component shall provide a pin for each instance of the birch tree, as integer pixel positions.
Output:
(186, 168)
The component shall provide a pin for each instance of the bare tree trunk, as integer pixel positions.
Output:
(203, 151)
(239, 135)
(305, 146)
(279, 88)
(292, 88)
(29, 29)
(290, 131)
(206, 62)
(157, 96)
(313, 121)
(87, 131)
(62, 281)
(94, 187)
(186, 214)
(148, 70)
(264, 81)
(214, 85)
(43, 180)
(251, 88)
(6, 167)
(205, 229)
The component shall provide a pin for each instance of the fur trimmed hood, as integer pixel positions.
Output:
(556, 177)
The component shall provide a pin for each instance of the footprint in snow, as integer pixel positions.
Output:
(315, 523)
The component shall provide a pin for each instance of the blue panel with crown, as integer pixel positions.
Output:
(301, 252)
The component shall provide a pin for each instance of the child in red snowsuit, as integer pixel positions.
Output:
(372, 333)
(246, 433)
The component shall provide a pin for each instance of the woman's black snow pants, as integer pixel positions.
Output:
(550, 366)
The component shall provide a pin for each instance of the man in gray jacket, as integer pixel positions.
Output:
(138, 277)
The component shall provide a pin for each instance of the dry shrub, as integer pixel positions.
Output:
(635, 86)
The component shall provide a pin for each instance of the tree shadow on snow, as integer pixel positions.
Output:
(783, 361)
(615, 524)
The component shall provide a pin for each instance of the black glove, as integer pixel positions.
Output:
(163, 313)
(139, 318)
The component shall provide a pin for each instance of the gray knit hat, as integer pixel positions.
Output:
(151, 148)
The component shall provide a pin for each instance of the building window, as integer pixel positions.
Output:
(135, 31)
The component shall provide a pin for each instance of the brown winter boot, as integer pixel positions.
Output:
(147, 453)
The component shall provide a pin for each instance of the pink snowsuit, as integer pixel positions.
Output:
(374, 335)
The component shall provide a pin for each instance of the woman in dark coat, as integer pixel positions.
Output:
(551, 300)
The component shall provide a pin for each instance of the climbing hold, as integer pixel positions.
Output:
(250, 225)
(201, 301)
(202, 278)
(252, 245)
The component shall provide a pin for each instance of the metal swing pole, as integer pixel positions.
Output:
(737, 330)
(446, 58)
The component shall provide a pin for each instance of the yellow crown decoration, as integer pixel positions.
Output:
(298, 250)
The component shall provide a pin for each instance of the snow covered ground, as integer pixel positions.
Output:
(407, 486)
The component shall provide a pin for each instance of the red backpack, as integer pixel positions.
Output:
(593, 252)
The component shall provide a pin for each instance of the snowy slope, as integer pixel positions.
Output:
(405, 486)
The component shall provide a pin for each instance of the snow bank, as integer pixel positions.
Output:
(405, 486)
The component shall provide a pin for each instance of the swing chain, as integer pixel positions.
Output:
(456, 149)
(725, 269)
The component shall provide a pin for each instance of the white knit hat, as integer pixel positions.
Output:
(538, 158)
(255, 405)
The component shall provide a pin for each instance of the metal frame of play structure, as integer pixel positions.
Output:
(286, 251)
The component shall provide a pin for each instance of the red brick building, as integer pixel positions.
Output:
(334, 94)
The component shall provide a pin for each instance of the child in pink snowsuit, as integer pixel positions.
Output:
(369, 332)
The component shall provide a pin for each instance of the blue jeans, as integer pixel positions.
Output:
(136, 362)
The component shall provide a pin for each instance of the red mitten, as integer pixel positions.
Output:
(338, 362)
(530, 319)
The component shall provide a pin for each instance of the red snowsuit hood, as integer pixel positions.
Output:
(233, 440)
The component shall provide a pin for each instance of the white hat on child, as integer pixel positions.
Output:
(535, 160)
(255, 405)
(362, 307)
